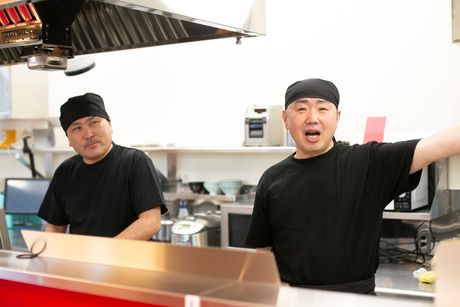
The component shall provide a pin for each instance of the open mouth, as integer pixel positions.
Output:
(312, 135)
(312, 132)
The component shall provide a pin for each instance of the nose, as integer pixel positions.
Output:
(312, 117)
(88, 133)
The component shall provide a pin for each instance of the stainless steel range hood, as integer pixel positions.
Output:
(46, 33)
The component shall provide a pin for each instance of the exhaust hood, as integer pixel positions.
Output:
(45, 33)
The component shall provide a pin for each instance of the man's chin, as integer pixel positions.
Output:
(92, 158)
(312, 150)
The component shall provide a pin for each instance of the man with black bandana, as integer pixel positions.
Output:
(106, 189)
(320, 209)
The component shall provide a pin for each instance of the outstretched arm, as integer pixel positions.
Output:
(440, 145)
(148, 223)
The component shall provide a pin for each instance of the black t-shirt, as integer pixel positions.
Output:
(104, 198)
(322, 216)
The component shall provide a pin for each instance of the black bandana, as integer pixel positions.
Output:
(312, 88)
(77, 107)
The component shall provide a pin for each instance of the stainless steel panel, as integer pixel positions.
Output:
(171, 289)
(207, 262)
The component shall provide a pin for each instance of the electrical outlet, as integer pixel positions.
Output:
(424, 240)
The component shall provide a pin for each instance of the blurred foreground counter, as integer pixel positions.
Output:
(92, 271)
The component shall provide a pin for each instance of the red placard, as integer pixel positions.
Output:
(375, 129)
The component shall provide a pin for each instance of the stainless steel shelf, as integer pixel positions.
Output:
(210, 150)
(191, 196)
(235, 149)
(423, 215)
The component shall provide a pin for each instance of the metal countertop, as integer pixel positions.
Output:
(170, 289)
(396, 280)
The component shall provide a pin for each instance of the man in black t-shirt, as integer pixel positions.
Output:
(320, 209)
(106, 189)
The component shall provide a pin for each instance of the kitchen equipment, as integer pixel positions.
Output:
(189, 232)
(43, 138)
(46, 33)
(212, 187)
(164, 235)
(197, 187)
(230, 187)
(263, 126)
(414, 199)
(248, 188)
(235, 223)
(183, 211)
(197, 230)
(204, 206)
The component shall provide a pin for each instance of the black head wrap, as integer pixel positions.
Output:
(312, 88)
(77, 107)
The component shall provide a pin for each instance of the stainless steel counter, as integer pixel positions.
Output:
(171, 288)
(394, 279)
(165, 274)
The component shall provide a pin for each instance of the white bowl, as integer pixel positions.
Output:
(212, 187)
(230, 187)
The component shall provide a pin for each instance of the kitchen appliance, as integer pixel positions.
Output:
(235, 222)
(197, 230)
(164, 235)
(414, 199)
(45, 33)
(24, 195)
(263, 126)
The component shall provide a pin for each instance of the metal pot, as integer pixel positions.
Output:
(201, 229)
(189, 232)
(164, 235)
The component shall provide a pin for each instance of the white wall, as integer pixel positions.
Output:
(388, 58)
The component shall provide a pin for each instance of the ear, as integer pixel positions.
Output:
(284, 117)
(110, 125)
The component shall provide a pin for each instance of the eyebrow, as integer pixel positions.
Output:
(80, 120)
(306, 100)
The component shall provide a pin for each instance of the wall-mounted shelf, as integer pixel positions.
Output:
(172, 153)
(200, 150)
(423, 215)
(173, 149)
(234, 149)
(205, 197)
(9, 151)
